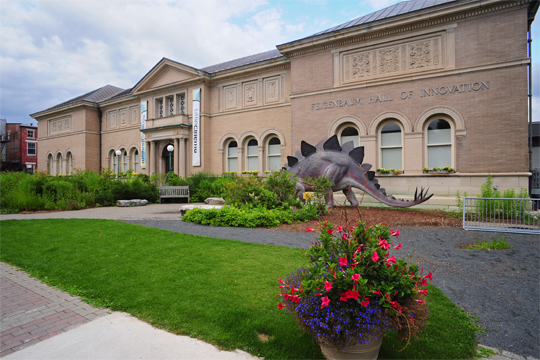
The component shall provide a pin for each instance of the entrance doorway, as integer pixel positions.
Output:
(165, 157)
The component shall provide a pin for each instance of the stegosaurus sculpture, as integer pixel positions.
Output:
(342, 165)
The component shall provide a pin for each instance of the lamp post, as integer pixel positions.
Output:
(170, 149)
(118, 153)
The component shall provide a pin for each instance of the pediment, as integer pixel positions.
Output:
(166, 72)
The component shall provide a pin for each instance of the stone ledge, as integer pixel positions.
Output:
(133, 202)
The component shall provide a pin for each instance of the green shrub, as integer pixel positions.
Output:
(321, 188)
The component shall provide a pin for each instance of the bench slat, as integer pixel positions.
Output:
(173, 192)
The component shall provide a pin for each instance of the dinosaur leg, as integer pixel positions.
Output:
(350, 196)
(301, 190)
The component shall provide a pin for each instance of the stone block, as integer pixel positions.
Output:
(214, 201)
(185, 208)
(133, 202)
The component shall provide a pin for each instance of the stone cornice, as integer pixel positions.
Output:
(70, 107)
(451, 12)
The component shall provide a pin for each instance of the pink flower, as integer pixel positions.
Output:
(281, 281)
(377, 292)
(281, 306)
(365, 303)
(339, 229)
(279, 295)
(375, 256)
(423, 282)
(429, 276)
(309, 229)
(353, 265)
(355, 277)
(394, 233)
(395, 304)
(384, 244)
(423, 291)
(327, 285)
(342, 261)
(325, 302)
(329, 231)
(392, 259)
(344, 236)
(398, 247)
(420, 301)
(293, 289)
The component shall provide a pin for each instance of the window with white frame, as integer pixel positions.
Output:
(69, 158)
(252, 155)
(232, 156)
(439, 143)
(136, 161)
(59, 165)
(31, 134)
(274, 154)
(31, 148)
(350, 133)
(391, 148)
(50, 162)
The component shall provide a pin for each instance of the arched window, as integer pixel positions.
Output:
(50, 162)
(59, 166)
(125, 160)
(274, 154)
(69, 157)
(391, 148)
(439, 143)
(350, 134)
(136, 161)
(252, 154)
(232, 156)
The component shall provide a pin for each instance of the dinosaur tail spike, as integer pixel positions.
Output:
(416, 194)
(291, 161)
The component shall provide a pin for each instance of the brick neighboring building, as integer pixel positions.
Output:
(418, 84)
(21, 150)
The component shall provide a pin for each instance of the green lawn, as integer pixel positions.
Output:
(220, 291)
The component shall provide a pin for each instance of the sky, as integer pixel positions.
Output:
(54, 50)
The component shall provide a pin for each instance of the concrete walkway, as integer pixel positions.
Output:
(40, 322)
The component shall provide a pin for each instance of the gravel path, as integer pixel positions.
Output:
(501, 287)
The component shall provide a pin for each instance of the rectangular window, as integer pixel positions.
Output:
(31, 134)
(31, 148)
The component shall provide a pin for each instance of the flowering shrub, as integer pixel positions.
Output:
(352, 290)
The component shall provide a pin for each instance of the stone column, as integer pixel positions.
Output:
(176, 152)
(152, 157)
(182, 158)
(147, 150)
(240, 160)
(261, 160)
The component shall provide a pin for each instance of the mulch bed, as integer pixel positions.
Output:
(395, 218)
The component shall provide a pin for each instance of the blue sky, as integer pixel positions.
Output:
(54, 50)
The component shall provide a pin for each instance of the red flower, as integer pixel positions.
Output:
(395, 304)
(423, 291)
(423, 282)
(293, 289)
(384, 244)
(339, 229)
(325, 302)
(398, 247)
(344, 236)
(281, 306)
(343, 297)
(394, 233)
(342, 261)
(392, 259)
(375, 256)
(281, 281)
(279, 295)
(327, 285)
(429, 276)
(355, 277)
(309, 229)
(420, 301)
(351, 294)
(377, 292)
(353, 265)
(365, 303)
(329, 231)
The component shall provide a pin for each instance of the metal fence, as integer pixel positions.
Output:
(503, 215)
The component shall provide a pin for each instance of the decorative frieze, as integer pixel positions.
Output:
(59, 126)
(111, 119)
(123, 117)
(230, 97)
(390, 60)
(135, 116)
(272, 89)
(250, 94)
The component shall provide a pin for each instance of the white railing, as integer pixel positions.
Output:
(503, 215)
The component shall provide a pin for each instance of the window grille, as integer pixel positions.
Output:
(182, 103)
(160, 105)
(31, 149)
(171, 106)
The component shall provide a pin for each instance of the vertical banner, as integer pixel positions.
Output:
(144, 116)
(196, 153)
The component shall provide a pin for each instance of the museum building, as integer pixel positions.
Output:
(420, 84)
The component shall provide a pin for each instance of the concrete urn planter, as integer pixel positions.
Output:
(369, 351)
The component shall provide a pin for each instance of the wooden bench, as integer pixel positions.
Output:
(173, 192)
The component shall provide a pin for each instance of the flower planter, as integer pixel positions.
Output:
(440, 172)
(369, 351)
